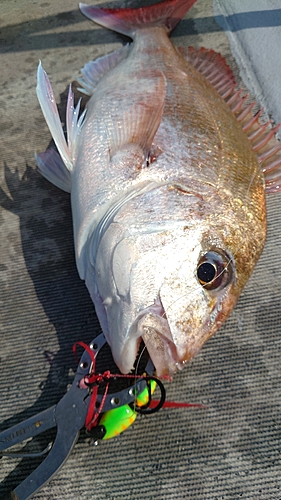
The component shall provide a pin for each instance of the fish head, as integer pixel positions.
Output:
(193, 302)
(171, 285)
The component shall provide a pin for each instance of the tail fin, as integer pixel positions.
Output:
(168, 14)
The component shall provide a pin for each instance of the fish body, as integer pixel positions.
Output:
(167, 193)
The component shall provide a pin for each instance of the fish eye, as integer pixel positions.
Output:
(214, 270)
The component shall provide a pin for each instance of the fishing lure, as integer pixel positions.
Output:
(103, 413)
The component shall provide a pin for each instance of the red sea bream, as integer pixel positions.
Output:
(167, 170)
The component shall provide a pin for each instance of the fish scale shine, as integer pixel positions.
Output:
(167, 194)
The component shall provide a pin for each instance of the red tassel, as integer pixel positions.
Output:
(173, 404)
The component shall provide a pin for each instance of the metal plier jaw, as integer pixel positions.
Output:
(68, 416)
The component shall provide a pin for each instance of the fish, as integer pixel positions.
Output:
(168, 169)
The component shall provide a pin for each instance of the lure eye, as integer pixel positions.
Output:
(214, 270)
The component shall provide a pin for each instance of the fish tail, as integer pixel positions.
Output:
(167, 14)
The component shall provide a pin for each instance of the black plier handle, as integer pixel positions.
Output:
(69, 416)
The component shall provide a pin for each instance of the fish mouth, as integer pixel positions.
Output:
(163, 353)
(166, 356)
(170, 353)
(169, 349)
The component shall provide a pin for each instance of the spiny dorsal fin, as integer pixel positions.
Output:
(262, 136)
(214, 67)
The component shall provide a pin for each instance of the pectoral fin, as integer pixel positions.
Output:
(136, 111)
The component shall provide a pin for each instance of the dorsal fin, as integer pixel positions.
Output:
(262, 136)
(213, 66)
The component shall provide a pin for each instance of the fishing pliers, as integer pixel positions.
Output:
(82, 406)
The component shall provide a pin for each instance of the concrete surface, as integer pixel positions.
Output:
(229, 451)
(254, 32)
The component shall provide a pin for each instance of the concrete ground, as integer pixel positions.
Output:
(230, 450)
(254, 33)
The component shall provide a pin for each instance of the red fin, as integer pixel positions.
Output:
(214, 67)
(262, 136)
(168, 13)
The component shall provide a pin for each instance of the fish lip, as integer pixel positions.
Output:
(173, 360)
(152, 325)
(165, 363)
(153, 328)
(167, 356)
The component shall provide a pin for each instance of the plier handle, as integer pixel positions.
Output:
(68, 416)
